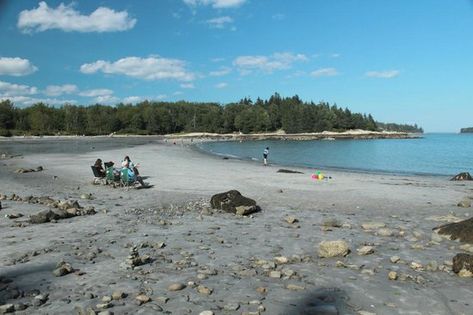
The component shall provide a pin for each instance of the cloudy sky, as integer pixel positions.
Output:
(403, 61)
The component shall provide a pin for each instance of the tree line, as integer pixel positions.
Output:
(290, 114)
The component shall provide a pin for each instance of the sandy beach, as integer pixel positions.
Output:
(220, 262)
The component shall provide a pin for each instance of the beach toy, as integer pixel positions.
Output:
(314, 176)
(321, 176)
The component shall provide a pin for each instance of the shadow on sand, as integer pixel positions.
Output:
(323, 301)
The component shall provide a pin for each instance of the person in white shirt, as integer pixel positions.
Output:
(265, 156)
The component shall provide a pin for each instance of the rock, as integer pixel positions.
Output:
(372, 225)
(392, 275)
(462, 231)
(43, 217)
(333, 248)
(331, 222)
(13, 216)
(204, 290)
(40, 299)
(281, 170)
(295, 287)
(39, 169)
(246, 210)
(416, 266)
(7, 308)
(231, 307)
(365, 250)
(465, 273)
(291, 219)
(465, 203)
(466, 247)
(365, 313)
(261, 290)
(462, 176)
(105, 313)
(103, 306)
(281, 260)
(384, 232)
(107, 299)
(118, 295)
(395, 259)
(142, 299)
(206, 313)
(62, 269)
(176, 287)
(432, 266)
(230, 200)
(275, 274)
(86, 196)
(462, 261)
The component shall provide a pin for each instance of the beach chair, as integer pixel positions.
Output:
(99, 178)
(125, 180)
(110, 176)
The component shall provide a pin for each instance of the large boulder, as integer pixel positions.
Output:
(462, 231)
(462, 261)
(462, 176)
(232, 201)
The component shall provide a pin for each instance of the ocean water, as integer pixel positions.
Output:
(433, 154)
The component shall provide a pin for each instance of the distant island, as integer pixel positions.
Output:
(289, 114)
(466, 130)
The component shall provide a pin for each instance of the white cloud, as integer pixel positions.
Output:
(219, 22)
(221, 85)
(56, 90)
(177, 93)
(217, 4)
(23, 101)
(106, 99)
(96, 93)
(187, 85)
(277, 61)
(16, 66)
(65, 18)
(335, 55)
(221, 72)
(217, 59)
(324, 72)
(10, 89)
(132, 99)
(151, 68)
(278, 17)
(389, 74)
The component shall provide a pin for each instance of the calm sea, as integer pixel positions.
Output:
(434, 154)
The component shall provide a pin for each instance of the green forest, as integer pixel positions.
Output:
(290, 114)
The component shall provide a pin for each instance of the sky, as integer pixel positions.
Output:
(402, 61)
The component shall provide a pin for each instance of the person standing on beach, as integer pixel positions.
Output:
(265, 156)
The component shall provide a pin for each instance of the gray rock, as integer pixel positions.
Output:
(462, 261)
(333, 248)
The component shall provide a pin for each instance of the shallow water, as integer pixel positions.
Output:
(434, 154)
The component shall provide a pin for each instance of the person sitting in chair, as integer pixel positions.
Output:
(129, 164)
(133, 177)
(98, 165)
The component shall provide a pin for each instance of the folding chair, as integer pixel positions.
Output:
(98, 177)
(110, 176)
(125, 180)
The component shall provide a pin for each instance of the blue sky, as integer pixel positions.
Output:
(403, 61)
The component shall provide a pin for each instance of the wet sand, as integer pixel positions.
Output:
(224, 260)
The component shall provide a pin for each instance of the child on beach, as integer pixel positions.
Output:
(265, 156)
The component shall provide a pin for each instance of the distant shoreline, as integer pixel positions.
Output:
(325, 135)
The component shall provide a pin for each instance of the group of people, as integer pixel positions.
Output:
(126, 165)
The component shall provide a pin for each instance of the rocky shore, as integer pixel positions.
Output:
(354, 244)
